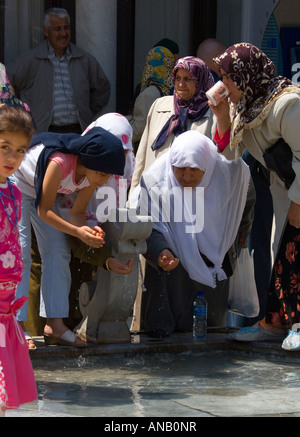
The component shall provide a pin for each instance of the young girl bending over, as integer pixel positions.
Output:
(17, 383)
(62, 163)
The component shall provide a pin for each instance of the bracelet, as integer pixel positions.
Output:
(106, 265)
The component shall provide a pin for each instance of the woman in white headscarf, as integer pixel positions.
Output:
(195, 240)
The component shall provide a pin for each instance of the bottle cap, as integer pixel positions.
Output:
(296, 327)
(200, 293)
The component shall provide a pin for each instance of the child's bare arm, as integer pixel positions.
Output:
(51, 183)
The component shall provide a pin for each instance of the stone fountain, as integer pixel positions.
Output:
(106, 303)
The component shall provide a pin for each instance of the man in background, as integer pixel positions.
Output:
(64, 86)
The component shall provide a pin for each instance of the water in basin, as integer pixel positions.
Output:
(181, 385)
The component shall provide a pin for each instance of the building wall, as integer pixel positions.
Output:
(229, 21)
(157, 19)
(287, 13)
(96, 27)
(244, 20)
(96, 32)
(23, 27)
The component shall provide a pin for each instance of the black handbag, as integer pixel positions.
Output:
(279, 158)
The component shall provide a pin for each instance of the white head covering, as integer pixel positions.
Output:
(117, 124)
(224, 185)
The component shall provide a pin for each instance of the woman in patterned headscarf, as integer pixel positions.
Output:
(170, 116)
(156, 82)
(262, 109)
(158, 70)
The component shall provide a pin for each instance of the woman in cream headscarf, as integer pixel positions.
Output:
(198, 253)
(264, 108)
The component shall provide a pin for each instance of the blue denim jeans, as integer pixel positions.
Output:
(55, 259)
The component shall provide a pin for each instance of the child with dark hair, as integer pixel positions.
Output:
(17, 383)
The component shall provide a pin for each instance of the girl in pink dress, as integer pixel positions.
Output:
(17, 383)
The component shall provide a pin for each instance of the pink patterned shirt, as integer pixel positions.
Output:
(11, 264)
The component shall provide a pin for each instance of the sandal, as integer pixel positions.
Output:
(68, 338)
(30, 342)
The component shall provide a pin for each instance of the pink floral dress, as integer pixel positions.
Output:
(3, 397)
(17, 383)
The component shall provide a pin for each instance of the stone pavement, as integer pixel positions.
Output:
(217, 339)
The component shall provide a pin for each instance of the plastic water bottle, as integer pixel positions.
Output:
(200, 317)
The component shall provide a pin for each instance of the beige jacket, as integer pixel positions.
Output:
(159, 113)
(283, 121)
(140, 111)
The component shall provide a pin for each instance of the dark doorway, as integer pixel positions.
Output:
(203, 22)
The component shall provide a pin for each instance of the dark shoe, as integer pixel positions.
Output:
(158, 333)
